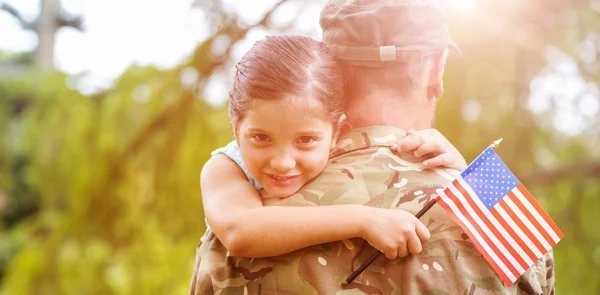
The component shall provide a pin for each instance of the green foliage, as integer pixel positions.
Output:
(561, 171)
(118, 180)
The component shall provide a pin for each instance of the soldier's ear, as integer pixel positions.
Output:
(338, 126)
(436, 87)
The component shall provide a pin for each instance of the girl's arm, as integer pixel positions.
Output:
(234, 211)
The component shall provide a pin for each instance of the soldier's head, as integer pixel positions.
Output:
(286, 107)
(395, 44)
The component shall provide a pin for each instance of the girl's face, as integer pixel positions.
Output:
(285, 143)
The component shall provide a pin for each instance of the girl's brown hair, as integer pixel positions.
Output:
(280, 66)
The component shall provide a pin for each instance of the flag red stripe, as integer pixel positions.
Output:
(541, 211)
(483, 235)
(515, 236)
(521, 225)
(531, 219)
(492, 227)
(485, 254)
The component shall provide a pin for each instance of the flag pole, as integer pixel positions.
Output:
(376, 255)
(496, 143)
(419, 214)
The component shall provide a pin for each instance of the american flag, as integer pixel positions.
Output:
(503, 220)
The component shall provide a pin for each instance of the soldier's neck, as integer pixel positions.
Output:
(380, 108)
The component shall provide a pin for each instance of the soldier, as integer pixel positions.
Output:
(395, 53)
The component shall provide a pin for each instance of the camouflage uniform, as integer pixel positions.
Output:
(363, 170)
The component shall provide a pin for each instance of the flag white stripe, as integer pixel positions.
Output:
(482, 242)
(495, 222)
(535, 214)
(518, 230)
(527, 223)
(485, 228)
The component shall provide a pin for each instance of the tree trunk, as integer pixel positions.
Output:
(46, 28)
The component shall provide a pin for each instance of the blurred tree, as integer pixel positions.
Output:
(489, 94)
(50, 20)
(18, 200)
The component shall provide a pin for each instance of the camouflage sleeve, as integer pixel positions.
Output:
(539, 279)
(547, 275)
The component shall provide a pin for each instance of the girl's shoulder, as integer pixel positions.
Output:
(232, 151)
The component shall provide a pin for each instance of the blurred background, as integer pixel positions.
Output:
(109, 109)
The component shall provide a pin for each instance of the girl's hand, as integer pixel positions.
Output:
(394, 232)
(433, 145)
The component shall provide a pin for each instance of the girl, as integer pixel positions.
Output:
(286, 110)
